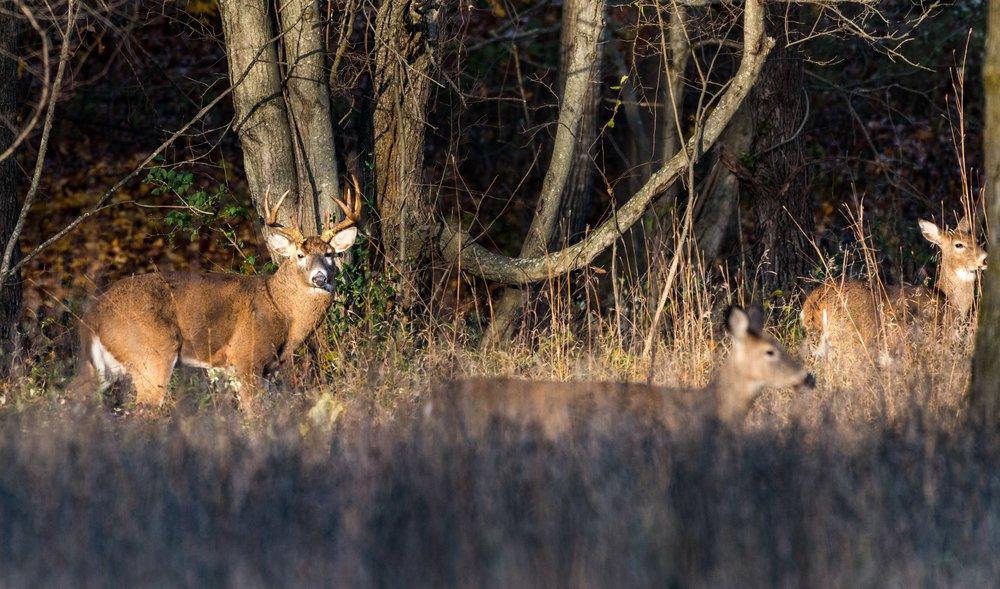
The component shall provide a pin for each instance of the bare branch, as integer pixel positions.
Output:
(456, 245)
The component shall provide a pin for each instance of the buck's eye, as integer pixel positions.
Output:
(329, 255)
(959, 246)
(301, 256)
(771, 353)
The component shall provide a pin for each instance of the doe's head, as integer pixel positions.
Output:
(758, 360)
(961, 256)
(317, 258)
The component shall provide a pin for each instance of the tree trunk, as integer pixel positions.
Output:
(405, 40)
(308, 98)
(10, 293)
(719, 197)
(779, 193)
(261, 116)
(985, 387)
(569, 179)
(576, 195)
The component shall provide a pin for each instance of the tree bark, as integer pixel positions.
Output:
(308, 99)
(985, 387)
(456, 245)
(779, 192)
(261, 116)
(588, 18)
(10, 293)
(563, 205)
(719, 199)
(405, 40)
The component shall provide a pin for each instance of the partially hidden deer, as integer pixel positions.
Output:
(849, 316)
(755, 361)
(144, 325)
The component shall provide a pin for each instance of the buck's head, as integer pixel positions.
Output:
(961, 257)
(316, 259)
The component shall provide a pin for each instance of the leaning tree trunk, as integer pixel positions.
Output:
(985, 388)
(569, 180)
(10, 293)
(405, 40)
(778, 192)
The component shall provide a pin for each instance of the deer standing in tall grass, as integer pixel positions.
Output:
(144, 325)
(756, 360)
(847, 316)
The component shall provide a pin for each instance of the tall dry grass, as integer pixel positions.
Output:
(875, 478)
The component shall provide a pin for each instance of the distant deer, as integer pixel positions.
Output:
(755, 361)
(848, 315)
(142, 326)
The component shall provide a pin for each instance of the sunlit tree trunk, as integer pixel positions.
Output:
(985, 389)
(308, 100)
(10, 293)
(282, 106)
(568, 183)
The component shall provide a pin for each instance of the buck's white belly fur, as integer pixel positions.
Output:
(108, 367)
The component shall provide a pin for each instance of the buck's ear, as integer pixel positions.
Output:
(932, 232)
(737, 323)
(343, 240)
(280, 244)
(964, 225)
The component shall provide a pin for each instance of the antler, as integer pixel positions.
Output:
(351, 205)
(271, 217)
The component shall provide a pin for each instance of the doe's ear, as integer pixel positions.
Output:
(756, 315)
(280, 244)
(343, 240)
(932, 232)
(737, 323)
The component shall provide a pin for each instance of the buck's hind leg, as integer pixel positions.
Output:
(151, 379)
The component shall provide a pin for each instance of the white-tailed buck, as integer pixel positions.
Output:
(852, 316)
(142, 326)
(756, 360)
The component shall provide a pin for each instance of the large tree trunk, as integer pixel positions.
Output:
(10, 293)
(779, 191)
(261, 116)
(568, 181)
(985, 388)
(308, 98)
(405, 40)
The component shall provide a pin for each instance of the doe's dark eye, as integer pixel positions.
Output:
(301, 256)
(959, 246)
(770, 352)
(329, 254)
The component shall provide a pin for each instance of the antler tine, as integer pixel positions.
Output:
(271, 216)
(352, 211)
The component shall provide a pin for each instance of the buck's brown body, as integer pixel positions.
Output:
(145, 325)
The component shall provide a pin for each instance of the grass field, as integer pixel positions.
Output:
(877, 477)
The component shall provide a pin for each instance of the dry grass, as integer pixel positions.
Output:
(874, 478)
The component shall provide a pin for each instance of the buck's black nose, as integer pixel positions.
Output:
(319, 279)
(809, 382)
